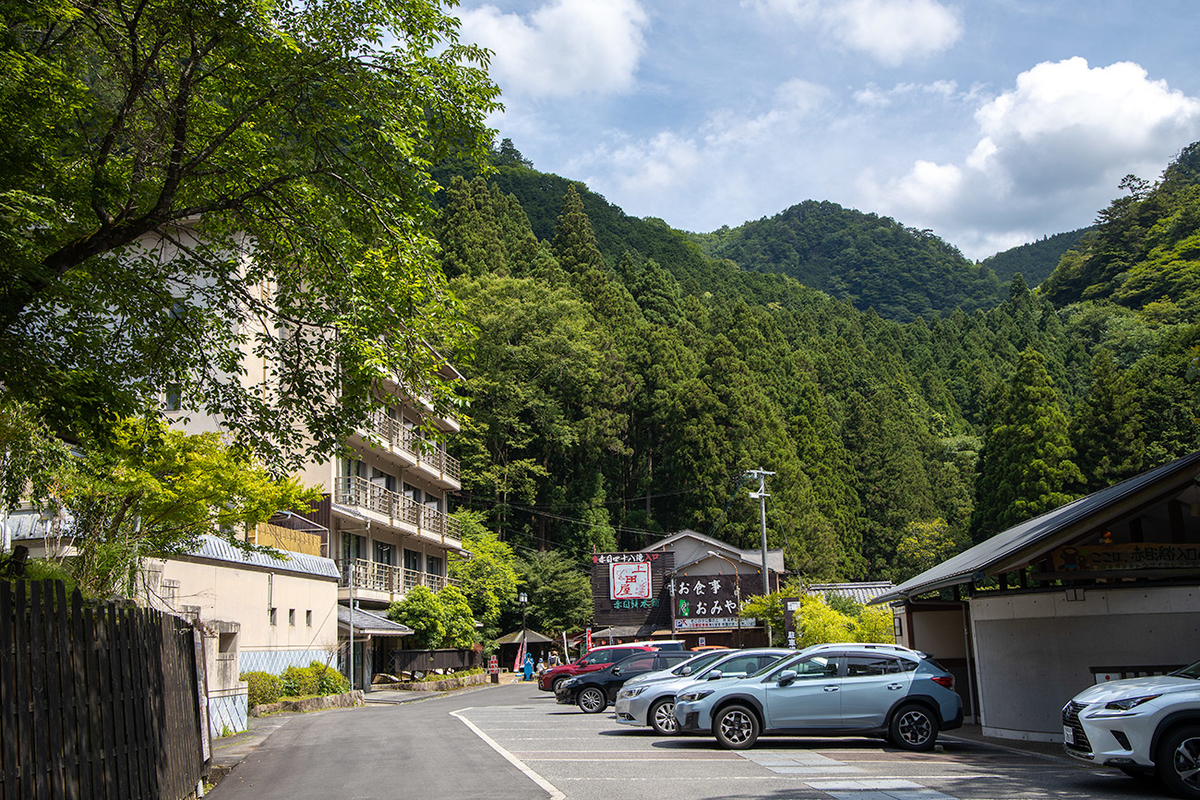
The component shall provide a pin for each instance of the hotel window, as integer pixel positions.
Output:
(271, 615)
(292, 617)
(308, 618)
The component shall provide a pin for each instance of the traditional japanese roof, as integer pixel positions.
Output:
(751, 558)
(367, 623)
(1034, 539)
(861, 592)
(532, 637)
(216, 549)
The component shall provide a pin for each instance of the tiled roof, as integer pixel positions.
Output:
(861, 592)
(217, 549)
(374, 624)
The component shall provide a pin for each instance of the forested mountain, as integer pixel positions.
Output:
(1145, 252)
(1036, 260)
(870, 261)
(623, 382)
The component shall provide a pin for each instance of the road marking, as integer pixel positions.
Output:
(550, 789)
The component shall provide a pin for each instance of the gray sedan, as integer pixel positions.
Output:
(653, 703)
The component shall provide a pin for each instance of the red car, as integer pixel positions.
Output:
(596, 658)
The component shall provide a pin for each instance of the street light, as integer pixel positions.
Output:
(737, 584)
(523, 599)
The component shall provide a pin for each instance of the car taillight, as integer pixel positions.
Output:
(944, 680)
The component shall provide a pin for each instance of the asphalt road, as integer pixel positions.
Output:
(512, 741)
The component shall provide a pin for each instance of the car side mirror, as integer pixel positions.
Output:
(786, 677)
(616, 671)
(714, 675)
(685, 671)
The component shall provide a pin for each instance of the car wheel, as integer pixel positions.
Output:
(913, 728)
(662, 717)
(591, 700)
(558, 682)
(736, 728)
(1178, 761)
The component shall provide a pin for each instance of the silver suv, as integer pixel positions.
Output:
(1141, 726)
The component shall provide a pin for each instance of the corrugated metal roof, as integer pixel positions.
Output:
(368, 622)
(861, 592)
(1036, 537)
(218, 549)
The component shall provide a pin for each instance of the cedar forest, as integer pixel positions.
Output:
(910, 402)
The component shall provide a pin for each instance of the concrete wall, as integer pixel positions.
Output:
(234, 593)
(940, 633)
(1034, 652)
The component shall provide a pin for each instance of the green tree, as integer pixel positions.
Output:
(1026, 466)
(488, 577)
(924, 545)
(187, 185)
(560, 593)
(31, 456)
(1106, 427)
(457, 618)
(420, 610)
(151, 492)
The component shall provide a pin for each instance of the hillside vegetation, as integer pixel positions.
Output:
(623, 381)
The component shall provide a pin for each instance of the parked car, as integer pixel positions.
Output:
(1148, 725)
(593, 691)
(653, 703)
(842, 689)
(697, 662)
(596, 658)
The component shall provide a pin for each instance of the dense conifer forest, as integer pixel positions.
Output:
(627, 374)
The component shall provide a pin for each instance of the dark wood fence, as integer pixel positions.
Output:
(429, 660)
(96, 701)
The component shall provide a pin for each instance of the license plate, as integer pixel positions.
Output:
(1068, 734)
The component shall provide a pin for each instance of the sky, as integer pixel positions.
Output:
(992, 123)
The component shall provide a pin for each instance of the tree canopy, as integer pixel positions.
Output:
(214, 200)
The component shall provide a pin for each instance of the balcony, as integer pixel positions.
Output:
(400, 510)
(410, 446)
(371, 576)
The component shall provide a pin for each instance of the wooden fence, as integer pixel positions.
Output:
(430, 660)
(96, 701)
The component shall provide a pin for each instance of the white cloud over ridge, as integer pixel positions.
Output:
(890, 31)
(1065, 131)
(564, 48)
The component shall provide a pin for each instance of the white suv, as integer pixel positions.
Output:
(1139, 726)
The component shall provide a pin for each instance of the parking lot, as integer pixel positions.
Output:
(575, 755)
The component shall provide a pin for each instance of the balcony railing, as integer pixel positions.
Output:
(376, 577)
(362, 493)
(393, 433)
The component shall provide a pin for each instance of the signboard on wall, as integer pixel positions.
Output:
(707, 602)
(1132, 556)
(629, 589)
(629, 581)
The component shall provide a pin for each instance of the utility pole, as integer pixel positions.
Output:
(761, 495)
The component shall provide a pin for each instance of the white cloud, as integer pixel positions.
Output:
(890, 31)
(563, 48)
(1065, 133)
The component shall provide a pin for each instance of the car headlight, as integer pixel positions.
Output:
(1129, 703)
(634, 692)
(698, 694)
(569, 682)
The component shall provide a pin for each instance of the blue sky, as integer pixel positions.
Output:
(991, 123)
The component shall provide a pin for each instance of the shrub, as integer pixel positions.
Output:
(329, 680)
(263, 687)
(299, 682)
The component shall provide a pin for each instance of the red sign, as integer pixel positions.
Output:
(588, 640)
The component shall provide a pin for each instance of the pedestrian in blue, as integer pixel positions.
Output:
(529, 666)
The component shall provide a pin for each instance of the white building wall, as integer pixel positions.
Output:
(1034, 652)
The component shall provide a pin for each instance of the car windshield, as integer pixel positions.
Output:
(1191, 671)
(698, 662)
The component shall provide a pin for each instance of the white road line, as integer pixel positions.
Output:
(550, 789)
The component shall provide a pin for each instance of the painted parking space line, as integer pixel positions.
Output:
(548, 787)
